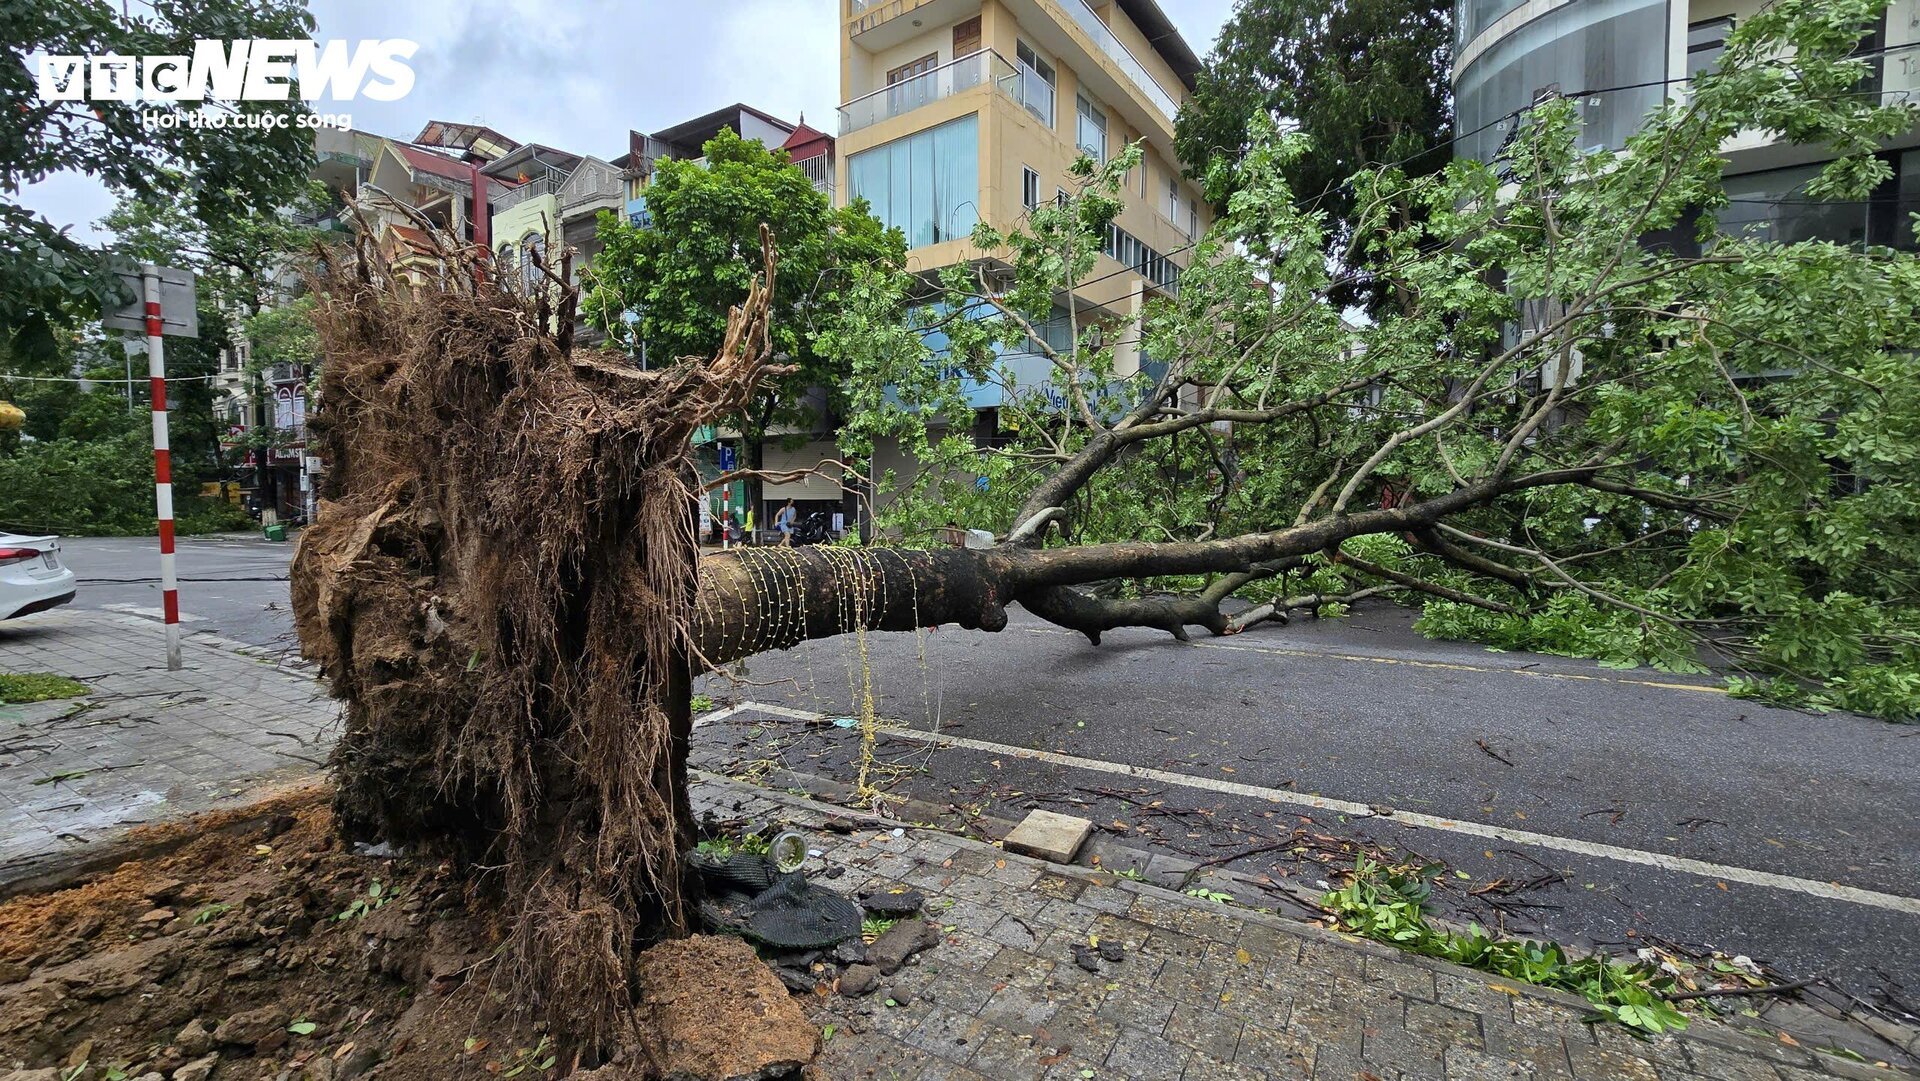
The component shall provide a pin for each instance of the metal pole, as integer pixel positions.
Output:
(162, 461)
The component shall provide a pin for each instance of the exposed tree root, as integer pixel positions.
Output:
(498, 584)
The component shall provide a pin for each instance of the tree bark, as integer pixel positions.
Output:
(760, 599)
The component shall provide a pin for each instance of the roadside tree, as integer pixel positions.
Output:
(505, 588)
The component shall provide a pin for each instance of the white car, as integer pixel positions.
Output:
(32, 576)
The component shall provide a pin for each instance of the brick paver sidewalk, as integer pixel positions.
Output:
(1205, 991)
(146, 744)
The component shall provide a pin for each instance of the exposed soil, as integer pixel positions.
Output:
(232, 944)
(253, 944)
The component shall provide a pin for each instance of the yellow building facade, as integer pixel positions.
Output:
(959, 111)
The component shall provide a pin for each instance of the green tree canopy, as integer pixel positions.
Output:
(1365, 81)
(1696, 452)
(212, 175)
(682, 273)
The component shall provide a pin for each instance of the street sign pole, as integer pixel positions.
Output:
(163, 304)
(162, 460)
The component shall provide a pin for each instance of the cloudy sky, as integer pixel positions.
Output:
(578, 74)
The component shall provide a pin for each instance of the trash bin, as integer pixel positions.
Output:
(275, 532)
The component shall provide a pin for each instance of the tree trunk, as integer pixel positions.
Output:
(498, 585)
(503, 586)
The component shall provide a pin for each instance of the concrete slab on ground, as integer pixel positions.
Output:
(1049, 836)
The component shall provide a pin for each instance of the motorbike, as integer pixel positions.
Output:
(815, 528)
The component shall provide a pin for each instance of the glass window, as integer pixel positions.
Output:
(927, 184)
(1597, 49)
(1905, 204)
(534, 246)
(1774, 206)
(1471, 17)
(1036, 82)
(1091, 129)
(1705, 42)
(910, 86)
(1029, 189)
(1173, 197)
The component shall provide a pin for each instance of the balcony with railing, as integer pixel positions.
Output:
(545, 184)
(957, 77)
(818, 169)
(1103, 36)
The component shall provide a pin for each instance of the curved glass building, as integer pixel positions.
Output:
(1611, 55)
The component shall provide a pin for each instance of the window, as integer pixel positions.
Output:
(1899, 232)
(1471, 17)
(1060, 197)
(1029, 189)
(1774, 206)
(1591, 45)
(1705, 42)
(1173, 197)
(918, 67)
(1091, 129)
(927, 184)
(1036, 83)
(1193, 218)
(1131, 253)
(532, 250)
(911, 85)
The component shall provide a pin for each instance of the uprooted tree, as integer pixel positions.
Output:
(1688, 443)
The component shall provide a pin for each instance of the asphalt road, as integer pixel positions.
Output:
(1605, 807)
(233, 585)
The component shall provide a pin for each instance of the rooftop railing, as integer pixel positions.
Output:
(1103, 36)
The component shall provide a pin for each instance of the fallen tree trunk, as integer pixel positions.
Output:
(757, 599)
(503, 584)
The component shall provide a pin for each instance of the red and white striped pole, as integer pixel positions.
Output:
(162, 461)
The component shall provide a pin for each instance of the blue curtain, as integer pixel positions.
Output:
(927, 184)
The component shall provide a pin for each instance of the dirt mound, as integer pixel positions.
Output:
(498, 584)
(262, 947)
(710, 1009)
(256, 945)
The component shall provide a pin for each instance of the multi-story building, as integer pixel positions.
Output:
(687, 140)
(1618, 59)
(962, 111)
(813, 152)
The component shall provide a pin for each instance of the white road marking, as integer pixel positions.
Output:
(150, 613)
(720, 714)
(1449, 665)
(1832, 891)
